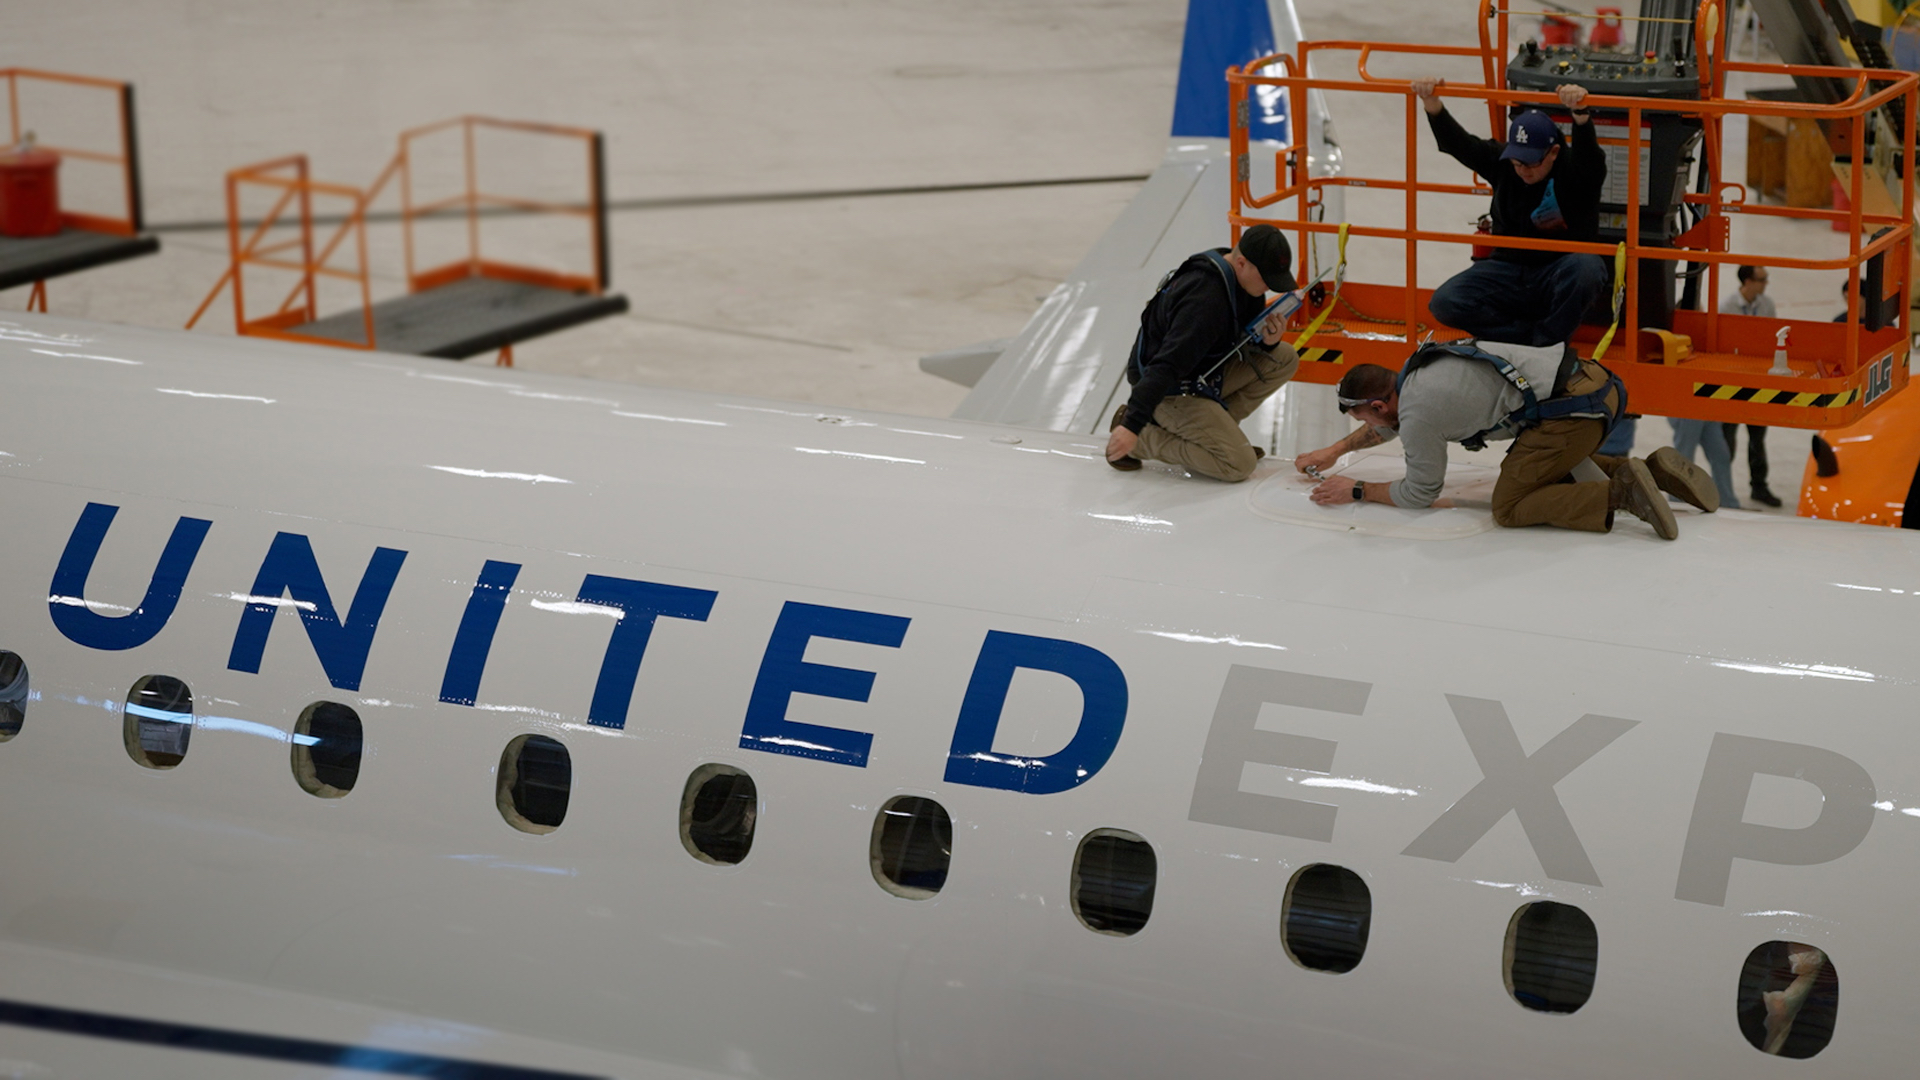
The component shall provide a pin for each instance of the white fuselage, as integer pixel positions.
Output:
(409, 915)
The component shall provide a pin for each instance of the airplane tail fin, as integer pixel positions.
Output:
(1221, 34)
(1066, 371)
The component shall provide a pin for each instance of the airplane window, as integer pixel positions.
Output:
(1789, 998)
(912, 844)
(1551, 953)
(536, 777)
(159, 721)
(13, 694)
(1113, 876)
(717, 814)
(1325, 917)
(326, 749)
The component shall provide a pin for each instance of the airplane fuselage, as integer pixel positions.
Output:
(1703, 746)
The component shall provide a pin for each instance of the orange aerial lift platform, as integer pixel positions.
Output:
(77, 124)
(1868, 472)
(1696, 362)
(474, 301)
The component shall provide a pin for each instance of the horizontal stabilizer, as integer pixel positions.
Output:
(1066, 371)
(1063, 368)
(965, 365)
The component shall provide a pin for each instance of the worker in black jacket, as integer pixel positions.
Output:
(1196, 373)
(1545, 187)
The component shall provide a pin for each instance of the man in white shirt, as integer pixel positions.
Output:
(1751, 299)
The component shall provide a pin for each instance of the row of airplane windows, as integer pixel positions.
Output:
(1788, 993)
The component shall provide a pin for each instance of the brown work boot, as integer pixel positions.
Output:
(1683, 480)
(1632, 489)
(1124, 464)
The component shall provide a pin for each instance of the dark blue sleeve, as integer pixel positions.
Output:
(1480, 155)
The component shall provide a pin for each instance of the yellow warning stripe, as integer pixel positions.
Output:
(1759, 396)
(1322, 356)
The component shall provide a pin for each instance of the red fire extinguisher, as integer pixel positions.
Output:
(1483, 227)
(29, 190)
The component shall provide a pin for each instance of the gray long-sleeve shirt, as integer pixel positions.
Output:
(1454, 398)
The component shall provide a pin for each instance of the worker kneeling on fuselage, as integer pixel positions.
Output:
(1476, 392)
(1201, 363)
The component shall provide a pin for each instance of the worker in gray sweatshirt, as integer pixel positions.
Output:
(1555, 407)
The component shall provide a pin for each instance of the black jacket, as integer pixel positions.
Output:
(1576, 180)
(1189, 326)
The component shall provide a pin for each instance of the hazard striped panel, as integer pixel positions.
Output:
(1321, 356)
(1774, 397)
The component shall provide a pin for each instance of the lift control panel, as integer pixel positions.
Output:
(1537, 67)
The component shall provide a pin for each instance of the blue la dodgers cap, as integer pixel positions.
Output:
(1529, 137)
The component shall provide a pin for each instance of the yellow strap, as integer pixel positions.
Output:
(1619, 299)
(1339, 278)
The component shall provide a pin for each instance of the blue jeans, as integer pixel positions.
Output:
(1522, 305)
(1620, 442)
(1706, 435)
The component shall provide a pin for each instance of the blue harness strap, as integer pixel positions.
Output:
(1558, 405)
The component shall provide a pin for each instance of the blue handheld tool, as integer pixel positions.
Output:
(1284, 305)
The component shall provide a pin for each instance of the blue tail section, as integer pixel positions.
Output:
(1222, 33)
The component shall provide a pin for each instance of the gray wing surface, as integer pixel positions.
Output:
(1066, 371)
(1068, 364)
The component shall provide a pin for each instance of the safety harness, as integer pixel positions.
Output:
(1558, 405)
(1207, 384)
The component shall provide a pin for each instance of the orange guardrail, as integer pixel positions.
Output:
(1841, 369)
(475, 202)
(288, 179)
(123, 220)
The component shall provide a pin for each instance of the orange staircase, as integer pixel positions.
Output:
(476, 302)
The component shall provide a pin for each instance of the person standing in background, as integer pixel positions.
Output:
(1705, 435)
(1751, 299)
(1620, 442)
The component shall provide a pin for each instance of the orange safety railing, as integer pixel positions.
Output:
(1841, 369)
(473, 202)
(124, 220)
(288, 179)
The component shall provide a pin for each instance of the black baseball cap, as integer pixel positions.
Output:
(1267, 249)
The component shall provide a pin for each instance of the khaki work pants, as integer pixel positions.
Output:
(1534, 488)
(1196, 434)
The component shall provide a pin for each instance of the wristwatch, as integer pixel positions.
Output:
(1359, 491)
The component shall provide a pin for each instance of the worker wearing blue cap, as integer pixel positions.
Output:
(1545, 186)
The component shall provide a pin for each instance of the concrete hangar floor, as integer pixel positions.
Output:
(1006, 136)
